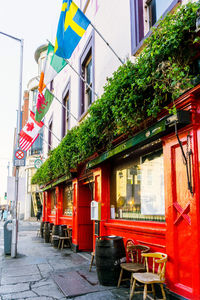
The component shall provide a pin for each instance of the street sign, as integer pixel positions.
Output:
(37, 163)
(19, 158)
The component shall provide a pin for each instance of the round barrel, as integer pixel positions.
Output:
(46, 232)
(61, 230)
(109, 250)
(42, 229)
(55, 235)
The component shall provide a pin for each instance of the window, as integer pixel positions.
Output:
(156, 9)
(137, 188)
(37, 146)
(34, 103)
(67, 200)
(87, 72)
(50, 134)
(66, 112)
(53, 201)
(51, 88)
(144, 15)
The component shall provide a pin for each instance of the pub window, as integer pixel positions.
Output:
(53, 201)
(87, 67)
(66, 114)
(137, 188)
(67, 200)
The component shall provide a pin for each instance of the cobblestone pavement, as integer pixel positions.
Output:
(33, 274)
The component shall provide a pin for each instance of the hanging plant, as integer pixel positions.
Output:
(134, 92)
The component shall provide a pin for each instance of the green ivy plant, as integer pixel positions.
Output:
(134, 93)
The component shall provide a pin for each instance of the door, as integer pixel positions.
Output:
(85, 225)
(178, 218)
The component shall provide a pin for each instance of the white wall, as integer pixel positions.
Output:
(112, 19)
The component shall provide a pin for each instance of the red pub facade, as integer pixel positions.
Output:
(148, 192)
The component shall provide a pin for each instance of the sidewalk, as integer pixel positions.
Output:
(41, 272)
(45, 273)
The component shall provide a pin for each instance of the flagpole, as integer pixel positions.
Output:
(78, 75)
(45, 140)
(52, 132)
(107, 43)
(60, 102)
(81, 78)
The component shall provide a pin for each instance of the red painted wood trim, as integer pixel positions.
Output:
(141, 229)
(151, 244)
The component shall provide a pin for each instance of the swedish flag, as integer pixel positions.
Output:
(71, 27)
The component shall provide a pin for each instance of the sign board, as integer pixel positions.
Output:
(37, 163)
(19, 158)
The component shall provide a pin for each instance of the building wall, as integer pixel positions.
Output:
(105, 62)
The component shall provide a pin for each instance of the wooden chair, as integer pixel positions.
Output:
(67, 237)
(156, 275)
(92, 260)
(135, 261)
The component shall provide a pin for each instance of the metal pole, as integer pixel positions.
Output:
(60, 102)
(15, 221)
(81, 77)
(52, 132)
(121, 61)
(15, 216)
(8, 167)
(41, 137)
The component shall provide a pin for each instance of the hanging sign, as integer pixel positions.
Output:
(37, 163)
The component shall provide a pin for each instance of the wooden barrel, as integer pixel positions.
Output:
(55, 235)
(61, 230)
(42, 229)
(46, 232)
(108, 251)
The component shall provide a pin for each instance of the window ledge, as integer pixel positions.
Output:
(83, 116)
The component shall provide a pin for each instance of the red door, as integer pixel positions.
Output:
(178, 219)
(85, 225)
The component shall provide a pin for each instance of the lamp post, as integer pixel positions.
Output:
(15, 221)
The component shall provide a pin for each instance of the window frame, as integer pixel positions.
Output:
(87, 51)
(121, 164)
(50, 127)
(65, 113)
(137, 27)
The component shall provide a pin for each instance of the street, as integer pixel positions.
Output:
(43, 272)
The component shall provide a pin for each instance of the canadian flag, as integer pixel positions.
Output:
(29, 132)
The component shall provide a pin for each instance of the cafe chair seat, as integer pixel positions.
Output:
(131, 267)
(155, 273)
(147, 277)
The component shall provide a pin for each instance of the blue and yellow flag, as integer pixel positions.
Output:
(71, 27)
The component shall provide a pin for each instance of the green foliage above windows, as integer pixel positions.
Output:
(135, 92)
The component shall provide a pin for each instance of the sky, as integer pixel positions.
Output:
(35, 22)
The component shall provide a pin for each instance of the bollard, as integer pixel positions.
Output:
(7, 237)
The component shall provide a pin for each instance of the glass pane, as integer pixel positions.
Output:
(67, 200)
(157, 8)
(137, 189)
(53, 202)
(89, 72)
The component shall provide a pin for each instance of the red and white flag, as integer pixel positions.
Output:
(29, 132)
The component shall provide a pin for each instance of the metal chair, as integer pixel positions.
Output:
(157, 262)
